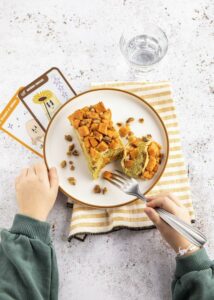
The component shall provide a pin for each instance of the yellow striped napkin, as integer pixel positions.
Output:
(86, 220)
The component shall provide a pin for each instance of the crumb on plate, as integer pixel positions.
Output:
(63, 164)
(72, 180)
(75, 153)
(97, 189)
(68, 137)
(129, 120)
(71, 147)
(105, 190)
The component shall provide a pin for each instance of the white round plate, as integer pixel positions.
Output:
(123, 105)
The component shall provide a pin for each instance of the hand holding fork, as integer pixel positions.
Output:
(166, 212)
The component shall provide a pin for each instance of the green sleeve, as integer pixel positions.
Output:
(194, 277)
(28, 268)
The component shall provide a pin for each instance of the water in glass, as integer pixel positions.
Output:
(143, 50)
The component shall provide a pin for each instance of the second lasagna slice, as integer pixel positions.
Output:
(142, 157)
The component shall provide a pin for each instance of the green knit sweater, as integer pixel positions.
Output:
(28, 268)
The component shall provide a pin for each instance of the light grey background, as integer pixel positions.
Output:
(81, 38)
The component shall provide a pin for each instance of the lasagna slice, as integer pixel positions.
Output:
(141, 158)
(98, 138)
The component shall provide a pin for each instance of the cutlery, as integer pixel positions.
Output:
(130, 186)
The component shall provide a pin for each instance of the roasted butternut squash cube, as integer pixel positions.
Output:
(76, 123)
(133, 153)
(83, 131)
(153, 149)
(105, 121)
(148, 175)
(107, 115)
(114, 144)
(135, 142)
(78, 115)
(151, 164)
(98, 136)
(92, 115)
(106, 160)
(100, 107)
(128, 163)
(155, 168)
(110, 133)
(94, 153)
(86, 142)
(85, 122)
(94, 126)
(124, 130)
(93, 142)
(102, 147)
(103, 128)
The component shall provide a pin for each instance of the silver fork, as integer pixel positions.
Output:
(130, 186)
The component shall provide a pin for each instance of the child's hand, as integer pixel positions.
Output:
(36, 191)
(172, 205)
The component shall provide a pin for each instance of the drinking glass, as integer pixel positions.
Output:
(143, 45)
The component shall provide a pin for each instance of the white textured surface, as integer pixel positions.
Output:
(81, 38)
